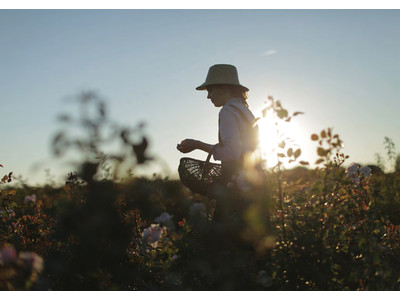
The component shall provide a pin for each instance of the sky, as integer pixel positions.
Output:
(339, 67)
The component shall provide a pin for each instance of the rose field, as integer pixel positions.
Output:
(334, 226)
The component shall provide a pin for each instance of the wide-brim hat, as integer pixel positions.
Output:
(222, 74)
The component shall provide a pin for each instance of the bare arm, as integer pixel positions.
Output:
(189, 145)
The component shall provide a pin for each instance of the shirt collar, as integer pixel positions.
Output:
(232, 101)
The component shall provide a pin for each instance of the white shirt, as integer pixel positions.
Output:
(232, 129)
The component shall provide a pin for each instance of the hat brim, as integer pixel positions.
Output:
(205, 85)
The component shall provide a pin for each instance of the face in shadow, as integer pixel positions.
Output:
(218, 95)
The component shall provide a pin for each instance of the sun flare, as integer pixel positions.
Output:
(272, 133)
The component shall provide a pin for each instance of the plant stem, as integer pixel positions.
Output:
(280, 195)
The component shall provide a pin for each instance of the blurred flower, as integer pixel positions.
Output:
(264, 279)
(175, 257)
(197, 209)
(182, 223)
(353, 169)
(365, 171)
(7, 255)
(352, 173)
(7, 212)
(153, 234)
(30, 199)
(165, 219)
(1, 166)
(34, 261)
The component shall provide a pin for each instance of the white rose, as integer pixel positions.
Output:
(365, 171)
(152, 235)
(30, 199)
(166, 219)
(175, 257)
(163, 218)
(197, 209)
(352, 170)
(7, 255)
(264, 279)
(352, 173)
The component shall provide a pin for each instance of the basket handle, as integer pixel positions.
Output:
(207, 161)
(210, 153)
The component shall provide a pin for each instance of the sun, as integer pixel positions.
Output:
(271, 134)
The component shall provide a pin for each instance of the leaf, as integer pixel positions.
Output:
(282, 113)
(323, 134)
(314, 137)
(297, 113)
(281, 155)
(282, 144)
(140, 149)
(297, 153)
(304, 163)
(319, 161)
(264, 112)
(290, 152)
(321, 151)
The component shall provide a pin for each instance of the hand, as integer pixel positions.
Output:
(187, 145)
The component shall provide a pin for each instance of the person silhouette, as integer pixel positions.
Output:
(237, 134)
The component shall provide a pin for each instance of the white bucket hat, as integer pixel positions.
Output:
(222, 74)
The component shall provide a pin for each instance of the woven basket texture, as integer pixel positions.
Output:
(198, 175)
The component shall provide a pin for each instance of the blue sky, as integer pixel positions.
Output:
(339, 67)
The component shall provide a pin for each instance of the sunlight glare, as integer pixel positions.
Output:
(272, 132)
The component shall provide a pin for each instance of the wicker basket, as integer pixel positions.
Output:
(198, 175)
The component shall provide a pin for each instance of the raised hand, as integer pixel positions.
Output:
(188, 145)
